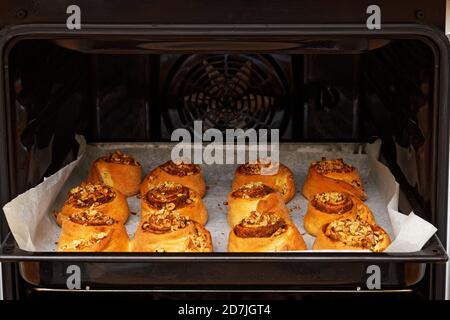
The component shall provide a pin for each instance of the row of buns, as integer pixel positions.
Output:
(173, 214)
(337, 215)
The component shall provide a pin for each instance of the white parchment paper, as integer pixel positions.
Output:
(32, 223)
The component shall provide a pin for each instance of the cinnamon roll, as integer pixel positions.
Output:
(254, 196)
(92, 231)
(277, 176)
(351, 234)
(97, 196)
(333, 175)
(117, 170)
(174, 196)
(168, 231)
(265, 232)
(187, 174)
(328, 206)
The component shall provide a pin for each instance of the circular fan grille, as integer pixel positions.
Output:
(225, 91)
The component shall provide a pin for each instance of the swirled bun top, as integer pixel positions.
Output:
(169, 195)
(90, 194)
(357, 233)
(253, 190)
(180, 168)
(256, 167)
(332, 202)
(325, 166)
(91, 217)
(260, 225)
(165, 221)
(121, 158)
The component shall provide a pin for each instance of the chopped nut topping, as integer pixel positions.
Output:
(260, 219)
(89, 194)
(198, 240)
(80, 244)
(169, 195)
(356, 184)
(260, 225)
(170, 206)
(337, 165)
(357, 233)
(254, 168)
(91, 217)
(284, 189)
(330, 197)
(362, 212)
(332, 202)
(122, 158)
(165, 221)
(252, 191)
(180, 168)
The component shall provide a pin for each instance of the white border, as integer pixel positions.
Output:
(1, 285)
(447, 272)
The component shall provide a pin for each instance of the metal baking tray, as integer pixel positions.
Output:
(348, 269)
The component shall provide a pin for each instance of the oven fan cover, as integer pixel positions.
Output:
(226, 91)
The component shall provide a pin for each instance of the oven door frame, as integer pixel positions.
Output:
(432, 35)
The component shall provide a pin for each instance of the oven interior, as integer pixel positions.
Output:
(122, 91)
(136, 90)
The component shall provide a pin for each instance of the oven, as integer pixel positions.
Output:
(136, 71)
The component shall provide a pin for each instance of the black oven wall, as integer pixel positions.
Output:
(397, 106)
(51, 90)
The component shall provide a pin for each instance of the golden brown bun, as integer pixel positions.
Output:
(351, 234)
(364, 213)
(117, 170)
(92, 231)
(174, 196)
(265, 232)
(328, 206)
(333, 175)
(189, 175)
(254, 196)
(171, 232)
(282, 180)
(98, 196)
